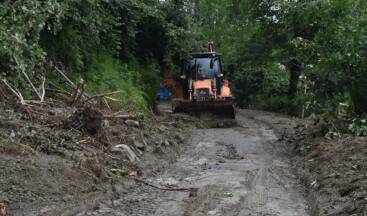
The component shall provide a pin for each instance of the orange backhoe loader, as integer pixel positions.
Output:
(204, 88)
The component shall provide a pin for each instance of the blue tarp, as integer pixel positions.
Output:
(163, 93)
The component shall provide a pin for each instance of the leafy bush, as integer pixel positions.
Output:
(149, 82)
(339, 119)
(247, 83)
(107, 74)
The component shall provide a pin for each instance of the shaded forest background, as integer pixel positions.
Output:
(299, 57)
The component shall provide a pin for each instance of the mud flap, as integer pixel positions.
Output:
(219, 108)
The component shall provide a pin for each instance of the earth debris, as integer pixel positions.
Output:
(69, 160)
(64, 158)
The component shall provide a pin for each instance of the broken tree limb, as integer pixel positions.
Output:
(15, 91)
(110, 98)
(77, 92)
(65, 77)
(58, 91)
(70, 82)
(81, 89)
(142, 137)
(27, 78)
(105, 101)
(43, 89)
(102, 95)
(124, 117)
(166, 189)
(151, 111)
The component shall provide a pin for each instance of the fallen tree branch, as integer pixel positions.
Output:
(142, 137)
(110, 98)
(167, 189)
(105, 101)
(70, 82)
(15, 91)
(66, 78)
(133, 117)
(116, 114)
(43, 89)
(102, 95)
(27, 78)
(58, 91)
(151, 111)
(78, 92)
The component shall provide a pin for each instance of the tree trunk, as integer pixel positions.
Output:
(295, 72)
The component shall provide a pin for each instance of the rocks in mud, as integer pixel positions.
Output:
(138, 145)
(126, 151)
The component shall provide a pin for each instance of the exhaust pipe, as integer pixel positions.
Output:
(211, 46)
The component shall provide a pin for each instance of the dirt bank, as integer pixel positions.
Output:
(64, 161)
(332, 171)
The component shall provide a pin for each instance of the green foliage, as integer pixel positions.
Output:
(278, 104)
(111, 44)
(108, 75)
(248, 84)
(149, 83)
(319, 44)
(20, 25)
(339, 120)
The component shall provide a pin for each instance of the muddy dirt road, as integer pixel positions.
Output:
(239, 171)
(242, 170)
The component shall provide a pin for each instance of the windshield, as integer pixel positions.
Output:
(203, 67)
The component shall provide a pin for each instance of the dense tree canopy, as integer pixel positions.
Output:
(296, 56)
(88, 38)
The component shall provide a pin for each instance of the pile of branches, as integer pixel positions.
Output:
(75, 97)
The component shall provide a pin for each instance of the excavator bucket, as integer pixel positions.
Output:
(218, 108)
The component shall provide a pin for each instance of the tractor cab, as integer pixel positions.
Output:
(202, 66)
(204, 71)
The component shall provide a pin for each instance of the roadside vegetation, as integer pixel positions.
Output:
(296, 57)
(122, 46)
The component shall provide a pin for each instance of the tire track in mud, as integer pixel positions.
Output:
(259, 184)
(239, 171)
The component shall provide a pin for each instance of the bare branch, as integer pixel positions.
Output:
(66, 78)
(43, 89)
(103, 95)
(15, 91)
(69, 82)
(27, 78)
